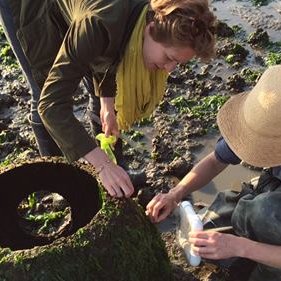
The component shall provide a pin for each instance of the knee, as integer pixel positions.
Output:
(260, 218)
(267, 207)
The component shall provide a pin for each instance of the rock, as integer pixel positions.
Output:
(179, 167)
(145, 195)
(236, 83)
(259, 38)
(6, 101)
(237, 51)
(223, 30)
(110, 239)
(205, 69)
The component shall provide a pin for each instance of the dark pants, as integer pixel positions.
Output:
(254, 213)
(45, 143)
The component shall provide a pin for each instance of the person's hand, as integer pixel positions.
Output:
(160, 206)
(108, 117)
(114, 179)
(214, 245)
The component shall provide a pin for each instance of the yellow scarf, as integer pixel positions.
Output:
(138, 90)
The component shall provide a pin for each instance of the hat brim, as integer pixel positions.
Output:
(251, 147)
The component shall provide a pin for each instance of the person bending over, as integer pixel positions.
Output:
(122, 49)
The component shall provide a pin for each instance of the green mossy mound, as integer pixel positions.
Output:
(118, 243)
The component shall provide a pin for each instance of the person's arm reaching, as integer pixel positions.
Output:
(108, 117)
(115, 180)
(162, 204)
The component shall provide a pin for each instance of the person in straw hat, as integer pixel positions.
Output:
(250, 127)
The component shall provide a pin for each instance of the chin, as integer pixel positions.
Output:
(147, 65)
(152, 66)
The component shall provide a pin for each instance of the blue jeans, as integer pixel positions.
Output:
(6, 20)
(46, 145)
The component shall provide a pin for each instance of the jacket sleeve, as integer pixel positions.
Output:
(56, 106)
(105, 84)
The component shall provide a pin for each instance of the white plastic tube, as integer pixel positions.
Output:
(189, 221)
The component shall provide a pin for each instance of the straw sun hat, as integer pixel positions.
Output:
(251, 122)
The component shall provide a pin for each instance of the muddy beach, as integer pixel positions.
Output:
(167, 145)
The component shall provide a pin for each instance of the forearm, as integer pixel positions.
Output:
(67, 131)
(97, 158)
(199, 176)
(262, 253)
(107, 104)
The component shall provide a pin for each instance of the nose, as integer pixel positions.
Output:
(170, 66)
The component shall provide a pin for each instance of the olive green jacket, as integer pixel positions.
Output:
(65, 39)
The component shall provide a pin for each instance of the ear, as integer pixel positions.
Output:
(148, 27)
(152, 23)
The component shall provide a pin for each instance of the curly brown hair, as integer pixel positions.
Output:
(184, 23)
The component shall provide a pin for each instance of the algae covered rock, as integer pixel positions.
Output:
(108, 239)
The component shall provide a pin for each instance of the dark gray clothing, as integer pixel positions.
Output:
(65, 40)
(46, 145)
(254, 213)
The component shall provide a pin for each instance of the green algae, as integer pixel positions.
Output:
(251, 75)
(119, 244)
(205, 109)
(259, 3)
(273, 58)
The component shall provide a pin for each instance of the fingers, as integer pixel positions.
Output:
(202, 247)
(153, 208)
(160, 207)
(153, 212)
(111, 191)
(204, 238)
(200, 234)
(109, 124)
(163, 213)
(198, 242)
(212, 245)
(111, 131)
(204, 251)
(116, 181)
(127, 186)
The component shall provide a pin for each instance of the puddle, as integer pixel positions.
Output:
(230, 178)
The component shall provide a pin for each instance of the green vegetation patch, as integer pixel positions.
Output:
(6, 54)
(205, 109)
(273, 58)
(120, 244)
(259, 3)
(251, 75)
(144, 122)
(7, 136)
